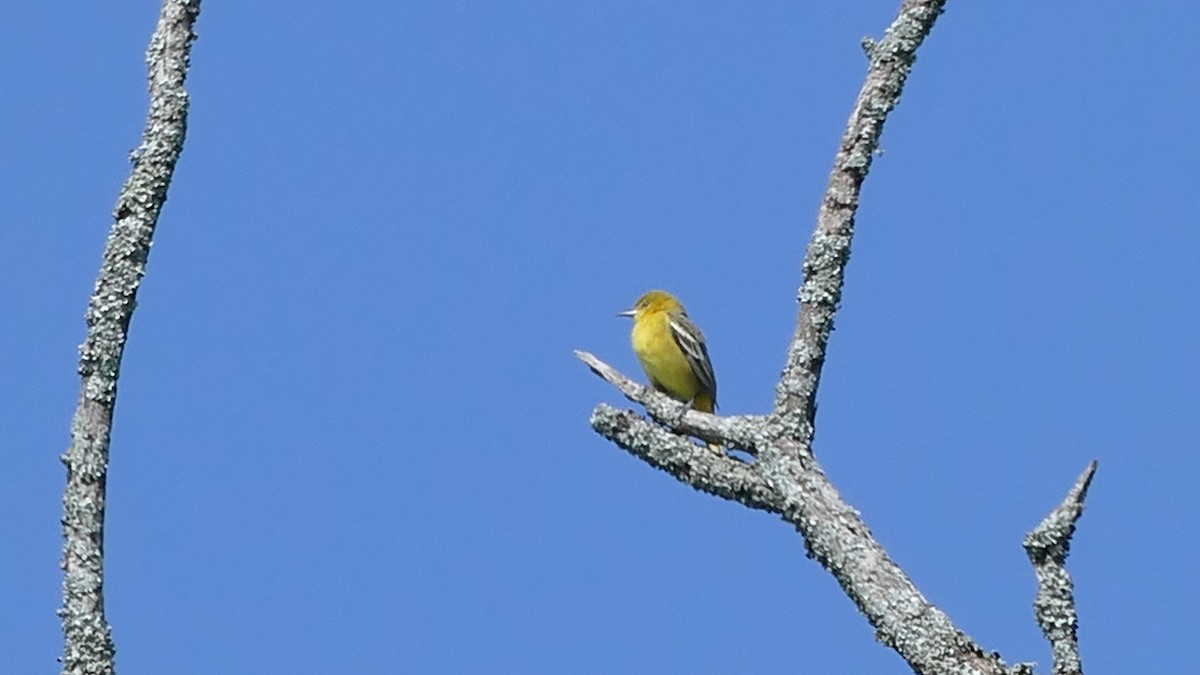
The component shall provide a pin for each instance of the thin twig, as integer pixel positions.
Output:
(1047, 546)
(88, 644)
(740, 432)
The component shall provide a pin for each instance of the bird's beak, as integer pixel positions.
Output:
(628, 313)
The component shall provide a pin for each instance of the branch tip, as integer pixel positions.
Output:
(1047, 546)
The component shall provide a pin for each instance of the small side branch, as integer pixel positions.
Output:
(741, 432)
(1047, 546)
(88, 644)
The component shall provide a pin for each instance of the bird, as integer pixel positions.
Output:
(672, 352)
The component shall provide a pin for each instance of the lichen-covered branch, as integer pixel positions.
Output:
(838, 539)
(798, 490)
(891, 59)
(690, 463)
(88, 644)
(741, 432)
(785, 477)
(1047, 546)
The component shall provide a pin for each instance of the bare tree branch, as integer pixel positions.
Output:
(690, 463)
(786, 478)
(891, 60)
(739, 431)
(89, 647)
(1047, 546)
(799, 491)
(833, 531)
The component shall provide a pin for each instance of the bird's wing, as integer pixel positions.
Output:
(691, 342)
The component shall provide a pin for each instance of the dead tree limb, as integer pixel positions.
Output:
(88, 644)
(1047, 546)
(785, 477)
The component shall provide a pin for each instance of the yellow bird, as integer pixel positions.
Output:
(671, 350)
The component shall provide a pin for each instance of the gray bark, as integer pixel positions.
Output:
(785, 478)
(88, 644)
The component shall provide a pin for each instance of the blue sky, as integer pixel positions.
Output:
(351, 434)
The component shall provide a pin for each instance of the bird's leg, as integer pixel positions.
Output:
(683, 410)
(678, 419)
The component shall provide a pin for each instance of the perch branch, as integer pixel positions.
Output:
(1047, 546)
(88, 644)
(738, 431)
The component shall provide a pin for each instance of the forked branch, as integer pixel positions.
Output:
(786, 478)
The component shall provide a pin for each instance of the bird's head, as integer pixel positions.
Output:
(653, 301)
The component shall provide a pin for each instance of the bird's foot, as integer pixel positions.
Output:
(683, 410)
